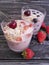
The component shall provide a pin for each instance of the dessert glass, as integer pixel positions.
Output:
(17, 46)
(36, 12)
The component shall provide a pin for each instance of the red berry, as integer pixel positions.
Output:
(28, 53)
(27, 13)
(43, 25)
(47, 29)
(12, 24)
(41, 36)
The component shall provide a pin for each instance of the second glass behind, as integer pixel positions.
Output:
(33, 13)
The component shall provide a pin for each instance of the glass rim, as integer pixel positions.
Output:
(36, 7)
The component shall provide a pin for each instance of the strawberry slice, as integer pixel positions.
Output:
(28, 54)
(26, 27)
(18, 39)
(41, 36)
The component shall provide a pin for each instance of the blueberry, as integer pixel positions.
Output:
(35, 20)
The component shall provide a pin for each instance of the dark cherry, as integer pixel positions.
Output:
(12, 24)
(27, 13)
(35, 20)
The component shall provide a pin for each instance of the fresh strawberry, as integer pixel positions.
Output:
(12, 24)
(43, 25)
(47, 29)
(41, 36)
(28, 54)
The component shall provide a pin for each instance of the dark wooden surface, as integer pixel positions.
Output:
(12, 8)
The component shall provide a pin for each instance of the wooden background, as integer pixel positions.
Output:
(12, 8)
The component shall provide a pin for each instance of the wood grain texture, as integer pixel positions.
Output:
(12, 8)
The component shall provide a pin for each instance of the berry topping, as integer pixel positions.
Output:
(12, 24)
(47, 29)
(26, 27)
(18, 39)
(35, 20)
(41, 36)
(27, 13)
(28, 54)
